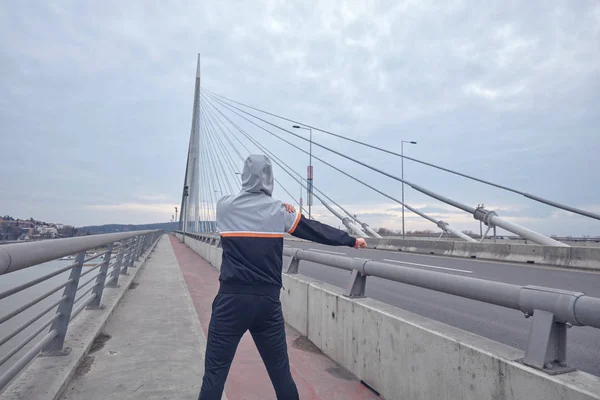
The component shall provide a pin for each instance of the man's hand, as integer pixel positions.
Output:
(289, 208)
(360, 243)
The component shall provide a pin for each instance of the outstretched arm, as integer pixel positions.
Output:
(321, 233)
(316, 231)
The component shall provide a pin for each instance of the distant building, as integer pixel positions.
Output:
(48, 232)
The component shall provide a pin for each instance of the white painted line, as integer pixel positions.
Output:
(495, 262)
(430, 266)
(331, 252)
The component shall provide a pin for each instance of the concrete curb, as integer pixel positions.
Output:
(47, 377)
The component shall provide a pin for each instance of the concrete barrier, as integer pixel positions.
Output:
(503, 240)
(576, 257)
(404, 355)
(585, 257)
(417, 246)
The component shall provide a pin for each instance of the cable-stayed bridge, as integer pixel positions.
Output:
(456, 317)
(219, 144)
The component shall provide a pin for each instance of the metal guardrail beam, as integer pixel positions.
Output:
(572, 307)
(23, 255)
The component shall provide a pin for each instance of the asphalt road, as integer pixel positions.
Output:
(497, 323)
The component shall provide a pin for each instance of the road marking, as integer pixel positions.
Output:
(331, 252)
(494, 262)
(430, 266)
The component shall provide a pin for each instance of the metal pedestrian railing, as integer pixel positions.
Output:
(553, 310)
(122, 250)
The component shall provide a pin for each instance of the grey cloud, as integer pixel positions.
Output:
(425, 210)
(99, 97)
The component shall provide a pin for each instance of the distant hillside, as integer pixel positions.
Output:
(112, 228)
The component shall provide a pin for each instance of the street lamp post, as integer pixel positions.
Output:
(309, 174)
(300, 199)
(402, 154)
(184, 216)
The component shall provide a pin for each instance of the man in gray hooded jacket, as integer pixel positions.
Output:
(252, 225)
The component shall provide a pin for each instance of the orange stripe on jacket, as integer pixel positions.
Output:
(252, 234)
(293, 228)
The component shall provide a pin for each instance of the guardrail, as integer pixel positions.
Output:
(568, 257)
(553, 310)
(123, 249)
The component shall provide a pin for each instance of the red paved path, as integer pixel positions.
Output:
(316, 376)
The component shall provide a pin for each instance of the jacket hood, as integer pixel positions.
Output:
(257, 175)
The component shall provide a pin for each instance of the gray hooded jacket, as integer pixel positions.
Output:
(252, 225)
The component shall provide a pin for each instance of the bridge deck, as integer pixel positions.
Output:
(158, 336)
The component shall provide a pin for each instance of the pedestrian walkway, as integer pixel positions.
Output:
(155, 343)
(157, 336)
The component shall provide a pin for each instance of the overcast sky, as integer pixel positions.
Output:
(96, 102)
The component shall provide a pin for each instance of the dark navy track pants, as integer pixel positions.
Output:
(232, 315)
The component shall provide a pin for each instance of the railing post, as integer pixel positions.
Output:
(293, 264)
(134, 247)
(60, 325)
(358, 280)
(356, 286)
(132, 252)
(552, 309)
(101, 280)
(138, 249)
(147, 242)
(142, 247)
(127, 256)
(144, 240)
(547, 344)
(117, 269)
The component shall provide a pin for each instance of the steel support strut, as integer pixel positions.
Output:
(547, 343)
(358, 279)
(100, 281)
(114, 282)
(293, 264)
(491, 219)
(61, 324)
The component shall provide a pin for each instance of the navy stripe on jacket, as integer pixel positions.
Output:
(252, 261)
